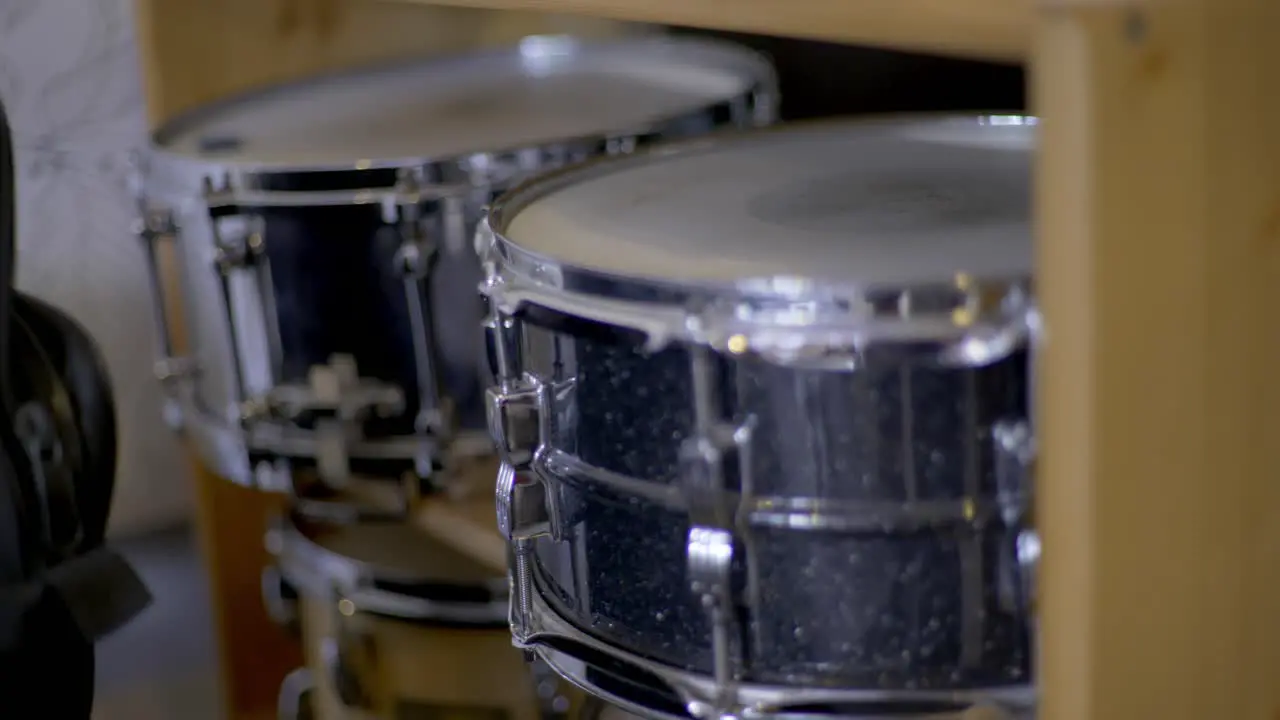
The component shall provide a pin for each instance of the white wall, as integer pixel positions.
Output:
(70, 81)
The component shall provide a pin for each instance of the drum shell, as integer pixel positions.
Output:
(827, 598)
(341, 258)
(360, 592)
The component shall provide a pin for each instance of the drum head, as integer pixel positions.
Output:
(893, 202)
(549, 89)
(398, 552)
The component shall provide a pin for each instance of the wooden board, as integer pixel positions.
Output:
(991, 29)
(198, 51)
(1159, 400)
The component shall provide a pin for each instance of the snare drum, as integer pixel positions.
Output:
(395, 625)
(324, 234)
(763, 412)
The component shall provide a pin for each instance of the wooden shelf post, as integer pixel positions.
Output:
(1159, 390)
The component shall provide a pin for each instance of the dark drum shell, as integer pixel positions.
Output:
(906, 603)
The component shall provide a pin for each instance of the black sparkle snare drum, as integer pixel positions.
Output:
(763, 411)
(324, 237)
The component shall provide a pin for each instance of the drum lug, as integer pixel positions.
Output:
(515, 417)
(153, 226)
(1015, 456)
(414, 262)
(715, 452)
(502, 346)
(527, 510)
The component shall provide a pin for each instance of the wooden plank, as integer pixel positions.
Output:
(990, 29)
(254, 654)
(1159, 255)
(198, 51)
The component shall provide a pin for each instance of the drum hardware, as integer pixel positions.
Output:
(345, 652)
(280, 599)
(569, 652)
(153, 226)
(342, 400)
(552, 704)
(221, 190)
(414, 260)
(353, 396)
(336, 388)
(296, 691)
(1014, 450)
(897, 503)
(713, 518)
(518, 409)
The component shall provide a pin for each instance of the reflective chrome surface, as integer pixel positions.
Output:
(776, 496)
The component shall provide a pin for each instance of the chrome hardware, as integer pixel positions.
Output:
(343, 399)
(710, 544)
(552, 704)
(337, 389)
(294, 700)
(414, 261)
(1015, 453)
(343, 653)
(234, 252)
(571, 653)
(518, 411)
(526, 511)
(514, 406)
(280, 599)
(153, 226)
(514, 419)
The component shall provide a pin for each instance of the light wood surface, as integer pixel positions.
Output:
(1159, 214)
(254, 654)
(1159, 275)
(198, 51)
(994, 29)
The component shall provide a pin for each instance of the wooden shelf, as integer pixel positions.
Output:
(991, 29)
(1158, 228)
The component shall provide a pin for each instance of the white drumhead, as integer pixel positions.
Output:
(884, 202)
(549, 89)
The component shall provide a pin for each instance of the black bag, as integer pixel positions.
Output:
(61, 588)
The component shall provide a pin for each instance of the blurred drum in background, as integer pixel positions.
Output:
(324, 231)
(394, 625)
(762, 406)
(329, 285)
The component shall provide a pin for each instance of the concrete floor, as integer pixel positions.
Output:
(163, 665)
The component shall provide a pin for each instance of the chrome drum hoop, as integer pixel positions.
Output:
(317, 572)
(353, 593)
(175, 192)
(794, 321)
(572, 653)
